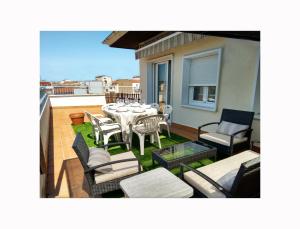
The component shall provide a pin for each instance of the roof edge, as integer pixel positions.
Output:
(113, 37)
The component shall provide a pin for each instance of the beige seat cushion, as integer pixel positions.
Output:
(221, 138)
(119, 169)
(217, 170)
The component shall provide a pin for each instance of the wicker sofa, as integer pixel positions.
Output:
(242, 170)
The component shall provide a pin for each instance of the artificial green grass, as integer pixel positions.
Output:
(146, 159)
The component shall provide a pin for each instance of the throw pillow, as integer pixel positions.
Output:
(230, 128)
(227, 180)
(99, 156)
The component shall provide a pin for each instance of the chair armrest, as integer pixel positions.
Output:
(115, 143)
(211, 181)
(241, 131)
(234, 134)
(207, 124)
(113, 124)
(98, 115)
(114, 162)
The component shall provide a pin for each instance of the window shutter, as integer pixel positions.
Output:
(204, 70)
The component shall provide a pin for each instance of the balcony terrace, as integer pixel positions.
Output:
(63, 172)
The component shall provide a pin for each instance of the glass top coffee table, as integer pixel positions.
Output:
(171, 157)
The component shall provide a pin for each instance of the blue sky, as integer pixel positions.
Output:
(82, 56)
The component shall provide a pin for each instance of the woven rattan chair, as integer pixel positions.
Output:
(96, 131)
(236, 176)
(146, 126)
(167, 111)
(229, 144)
(126, 165)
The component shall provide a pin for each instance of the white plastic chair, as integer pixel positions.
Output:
(91, 118)
(155, 105)
(107, 105)
(106, 130)
(167, 111)
(146, 126)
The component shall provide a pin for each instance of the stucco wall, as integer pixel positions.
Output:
(236, 83)
(44, 138)
(44, 127)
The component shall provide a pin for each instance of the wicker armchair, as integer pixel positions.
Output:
(146, 126)
(229, 144)
(126, 165)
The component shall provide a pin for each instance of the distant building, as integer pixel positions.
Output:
(67, 83)
(136, 81)
(107, 83)
(127, 85)
(95, 87)
(45, 83)
(106, 80)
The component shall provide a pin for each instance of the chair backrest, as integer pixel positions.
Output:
(150, 123)
(103, 107)
(99, 123)
(247, 180)
(237, 116)
(82, 150)
(155, 105)
(167, 110)
(90, 117)
(83, 153)
(135, 119)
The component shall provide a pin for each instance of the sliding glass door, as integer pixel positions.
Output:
(162, 81)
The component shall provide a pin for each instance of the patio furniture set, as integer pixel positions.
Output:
(235, 176)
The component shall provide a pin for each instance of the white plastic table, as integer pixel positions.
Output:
(157, 183)
(126, 117)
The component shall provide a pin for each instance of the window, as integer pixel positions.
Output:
(200, 79)
(202, 94)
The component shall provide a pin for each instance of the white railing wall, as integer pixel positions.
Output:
(76, 100)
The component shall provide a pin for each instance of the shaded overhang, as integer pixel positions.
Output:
(138, 39)
(131, 39)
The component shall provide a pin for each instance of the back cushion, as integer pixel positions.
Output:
(227, 180)
(230, 128)
(247, 181)
(99, 156)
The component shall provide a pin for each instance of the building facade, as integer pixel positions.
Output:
(198, 74)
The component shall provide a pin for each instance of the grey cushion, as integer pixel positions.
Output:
(230, 128)
(227, 180)
(99, 156)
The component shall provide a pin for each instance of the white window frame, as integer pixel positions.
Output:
(205, 105)
(205, 102)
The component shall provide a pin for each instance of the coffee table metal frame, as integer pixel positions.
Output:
(170, 164)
